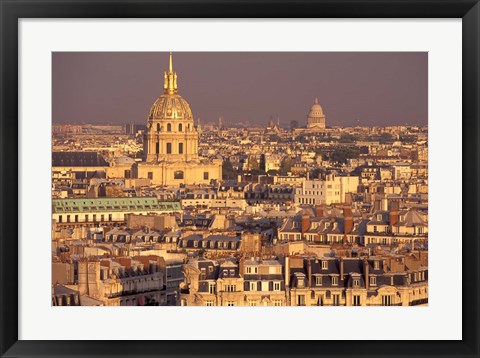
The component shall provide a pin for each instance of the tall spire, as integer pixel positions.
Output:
(170, 84)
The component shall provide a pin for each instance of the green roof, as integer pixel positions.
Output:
(88, 205)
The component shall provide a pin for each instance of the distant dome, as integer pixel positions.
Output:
(316, 117)
(316, 110)
(170, 106)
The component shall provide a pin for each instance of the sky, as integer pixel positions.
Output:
(364, 88)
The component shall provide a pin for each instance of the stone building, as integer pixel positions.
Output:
(392, 280)
(124, 281)
(171, 142)
(316, 118)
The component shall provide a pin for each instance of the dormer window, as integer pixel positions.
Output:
(376, 265)
(334, 280)
(318, 280)
(356, 282)
(373, 281)
(324, 265)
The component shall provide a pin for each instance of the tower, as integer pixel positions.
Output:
(171, 135)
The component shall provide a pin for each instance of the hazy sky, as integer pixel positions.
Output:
(369, 88)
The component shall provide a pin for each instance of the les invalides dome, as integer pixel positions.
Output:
(171, 135)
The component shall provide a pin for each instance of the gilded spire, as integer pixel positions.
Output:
(170, 84)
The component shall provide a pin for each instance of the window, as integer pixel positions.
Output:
(301, 300)
(169, 148)
(169, 127)
(324, 265)
(356, 300)
(68, 220)
(336, 300)
(230, 303)
(94, 218)
(334, 280)
(180, 148)
(253, 286)
(86, 218)
(180, 128)
(387, 300)
(205, 175)
(60, 219)
(253, 303)
(109, 217)
(230, 288)
(277, 303)
(150, 175)
(158, 128)
(209, 303)
(157, 147)
(356, 282)
(211, 288)
(318, 280)
(276, 286)
(373, 281)
(210, 269)
(376, 265)
(178, 174)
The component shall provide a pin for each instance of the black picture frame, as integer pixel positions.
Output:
(12, 11)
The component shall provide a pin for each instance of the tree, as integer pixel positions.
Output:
(341, 154)
(285, 166)
(228, 172)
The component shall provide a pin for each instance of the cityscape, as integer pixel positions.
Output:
(176, 210)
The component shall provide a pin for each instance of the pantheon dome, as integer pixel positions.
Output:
(316, 118)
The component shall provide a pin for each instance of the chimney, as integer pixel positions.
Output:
(287, 271)
(394, 214)
(341, 269)
(319, 211)
(367, 276)
(348, 225)
(309, 267)
(305, 224)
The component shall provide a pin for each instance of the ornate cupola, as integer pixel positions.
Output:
(170, 134)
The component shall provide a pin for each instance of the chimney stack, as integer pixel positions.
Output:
(287, 271)
(348, 225)
(366, 271)
(309, 267)
(305, 224)
(394, 214)
(319, 211)
(341, 269)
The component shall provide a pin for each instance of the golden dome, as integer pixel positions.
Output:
(316, 110)
(170, 105)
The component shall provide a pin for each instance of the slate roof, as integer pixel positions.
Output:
(78, 159)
